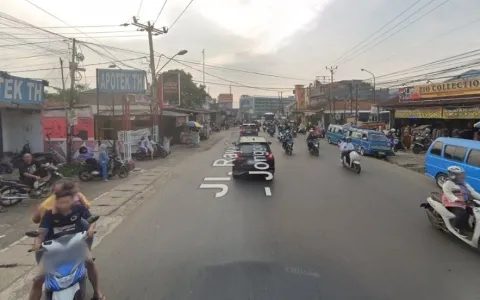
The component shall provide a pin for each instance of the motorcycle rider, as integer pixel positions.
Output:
(286, 138)
(86, 154)
(311, 137)
(456, 192)
(64, 218)
(27, 171)
(345, 148)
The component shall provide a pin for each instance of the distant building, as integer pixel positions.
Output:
(225, 101)
(257, 106)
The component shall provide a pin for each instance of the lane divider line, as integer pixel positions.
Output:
(268, 192)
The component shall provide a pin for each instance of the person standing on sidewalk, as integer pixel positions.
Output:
(103, 160)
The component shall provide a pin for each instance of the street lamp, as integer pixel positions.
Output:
(181, 52)
(374, 93)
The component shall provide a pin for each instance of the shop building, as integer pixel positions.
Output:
(21, 101)
(449, 107)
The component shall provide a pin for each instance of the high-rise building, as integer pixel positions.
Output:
(257, 106)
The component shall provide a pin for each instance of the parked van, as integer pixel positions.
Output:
(370, 142)
(445, 152)
(335, 133)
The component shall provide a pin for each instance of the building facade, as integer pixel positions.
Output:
(257, 106)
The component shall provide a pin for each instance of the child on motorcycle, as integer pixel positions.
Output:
(456, 192)
(64, 218)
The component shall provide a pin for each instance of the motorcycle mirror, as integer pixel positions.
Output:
(93, 219)
(32, 234)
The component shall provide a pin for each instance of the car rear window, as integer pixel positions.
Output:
(249, 148)
(249, 126)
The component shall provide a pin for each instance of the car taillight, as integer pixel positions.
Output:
(238, 155)
(270, 156)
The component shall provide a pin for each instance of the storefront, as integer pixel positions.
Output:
(21, 101)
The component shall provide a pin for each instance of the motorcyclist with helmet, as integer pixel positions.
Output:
(345, 148)
(287, 137)
(456, 194)
(311, 138)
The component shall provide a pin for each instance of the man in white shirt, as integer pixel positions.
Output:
(345, 148)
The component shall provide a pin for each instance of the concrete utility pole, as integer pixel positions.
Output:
(280, 99)
(73, 68)
(151, 31)
(331, 70)
(203, 55)
(64, 96)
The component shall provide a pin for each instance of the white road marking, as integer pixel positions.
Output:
(268, 192)
(216, 178)
(229, 173)
(223, 187)
(2, 236)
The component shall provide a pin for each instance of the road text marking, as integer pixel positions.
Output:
(268, 192)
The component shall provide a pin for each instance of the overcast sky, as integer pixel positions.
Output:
(287, 38)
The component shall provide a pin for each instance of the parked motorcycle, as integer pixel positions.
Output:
(158, 149)
(314, 150)
(13, 192)
(6, 166)
(42, 157)
(215, 128)
(441, 218)
(421, 144)
(64, 261)
(89, 172)
(354, 162)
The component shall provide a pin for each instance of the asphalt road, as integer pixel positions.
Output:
(325, 233)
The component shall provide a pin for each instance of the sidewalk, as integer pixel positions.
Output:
(113, 204)
(408, 160)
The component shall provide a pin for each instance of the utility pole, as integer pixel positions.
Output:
(356, 104)
(331, 70)
(64, 98)
(351, 97)
(280, 99)
(151, 31)
(73, 68)
(203, 64)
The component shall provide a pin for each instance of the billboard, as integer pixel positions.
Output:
(463, 87)
(247, 103)
(20, 90)
(121, 81)
(419, 113)
(171, 89)
(225, 98)
(300, 96)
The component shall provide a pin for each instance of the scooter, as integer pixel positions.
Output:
(354, 162)
(288, 147)
(64, 263)
(314, 150)
(88, 172)
(13, 192)
(47, 157)
(441, 218)
(158, 151)
(421, 144)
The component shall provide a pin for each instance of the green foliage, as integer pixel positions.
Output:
(70, 170)
(192, 95)
(59, 95)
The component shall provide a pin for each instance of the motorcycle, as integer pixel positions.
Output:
(314, 149)
(441, 218)
(43, 157)
(392, 143)
(264, 128)
(294, 133)
(64, 263)
(354, 162)
(280, 137)
(302, 130)
(6, 167)
(13, 192)
(89, 172)
(215, 128)
(271, 132)
(421, 144)
(158, 151)
(288, 147)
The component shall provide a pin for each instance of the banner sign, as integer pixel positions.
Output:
(300, 96)
(463, 87)
(420, 113)
(121, 81)
(20, 90)
(461, 113)
(171, 89)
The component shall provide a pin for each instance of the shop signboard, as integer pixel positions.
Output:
(121, 81)
(20, 90)
(419, 113)
(463, 87)
(461, 113)
(171, 89)
(300, 96)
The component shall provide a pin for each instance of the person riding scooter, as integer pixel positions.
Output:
(287, 138)
(456, 194)
(311, 137)
(345, 148)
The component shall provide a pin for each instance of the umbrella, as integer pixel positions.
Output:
(194, 124)
(476, 125)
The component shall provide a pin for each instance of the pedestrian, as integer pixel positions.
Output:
(103, 160)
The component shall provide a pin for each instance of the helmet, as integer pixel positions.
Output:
(427, 131)
(392, 130)
(454, 172)
(348, 140)
(311, 131)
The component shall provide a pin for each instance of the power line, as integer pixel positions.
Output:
(60, 27)
(139, 8)
(89, 32)
(181, 14)
(228, 84)
(398, 31)
(160, 12)
(373, 34)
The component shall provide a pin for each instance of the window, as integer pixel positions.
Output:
(474, 158)
(377, 137)
(356, 135)
(248, 148)
(437, 149)
(455, 153)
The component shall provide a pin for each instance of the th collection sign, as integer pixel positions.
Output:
(464, 87)
(20, 90)
(121, 81)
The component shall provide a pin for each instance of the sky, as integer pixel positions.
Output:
(292, 40)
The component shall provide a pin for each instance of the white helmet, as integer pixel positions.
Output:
(454, 172)
(392, 130)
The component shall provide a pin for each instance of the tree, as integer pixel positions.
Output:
(57, 97)
(191, 94)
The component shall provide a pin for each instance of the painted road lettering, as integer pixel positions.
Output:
(223, 188)
(260, 158)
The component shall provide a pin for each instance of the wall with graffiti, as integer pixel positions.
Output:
(55, 130)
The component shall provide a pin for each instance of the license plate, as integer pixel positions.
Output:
(381, 153)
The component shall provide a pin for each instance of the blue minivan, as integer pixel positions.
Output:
(370, 142)
(335, 134)
(445, 152)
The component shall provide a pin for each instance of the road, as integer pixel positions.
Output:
(324, 233)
